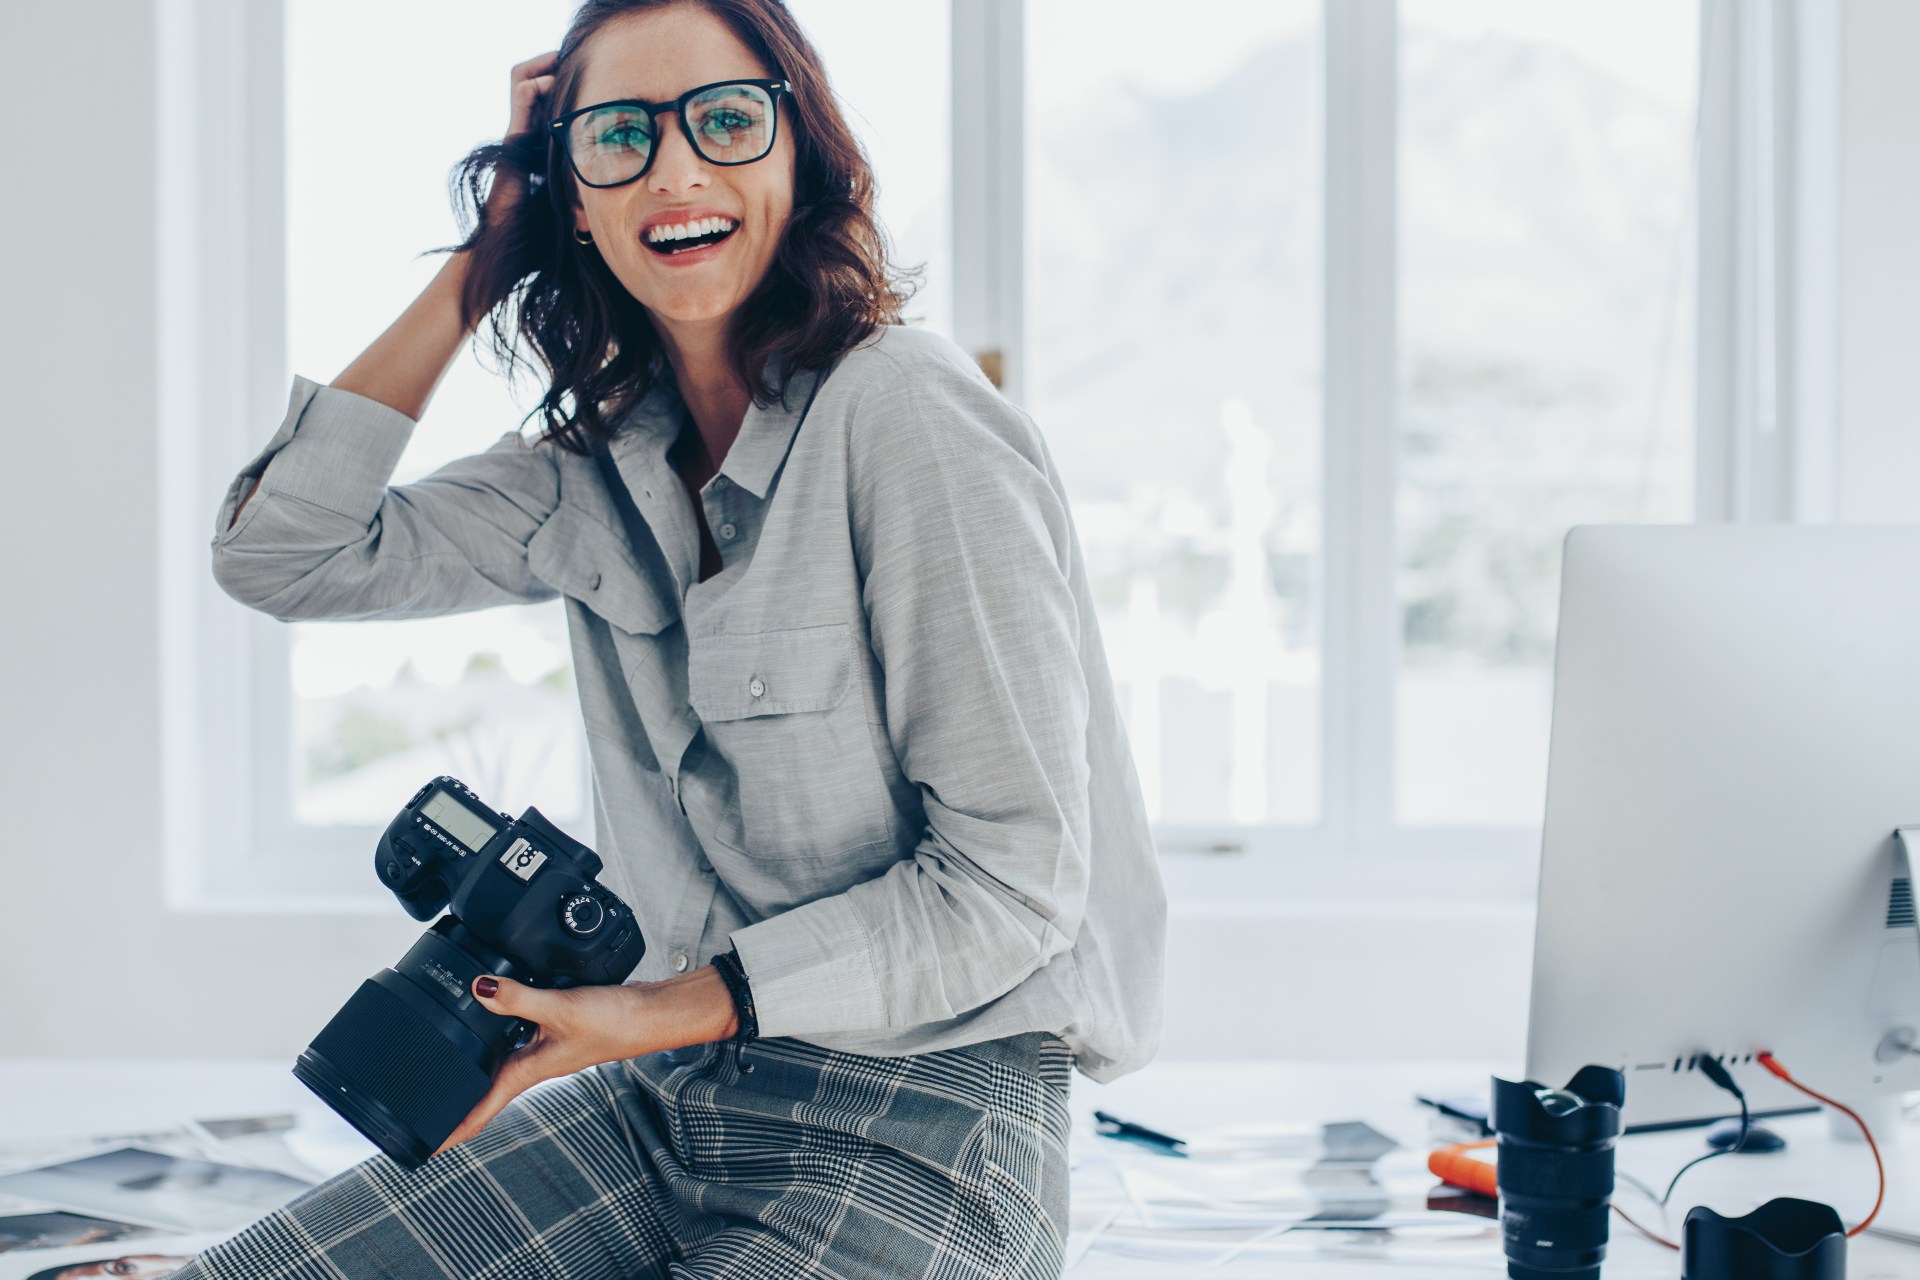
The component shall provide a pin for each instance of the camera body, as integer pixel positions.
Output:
(410, 1054)
(522, 888)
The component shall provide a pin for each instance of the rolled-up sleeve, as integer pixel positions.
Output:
(966, 550)
(324, 536)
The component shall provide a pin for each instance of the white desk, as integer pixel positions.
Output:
(1186, 1098)
(49, 1100)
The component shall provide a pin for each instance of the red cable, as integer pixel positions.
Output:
(1772, 1064)
(1643, 1231)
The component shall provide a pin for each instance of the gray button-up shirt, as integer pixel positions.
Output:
(879, 752)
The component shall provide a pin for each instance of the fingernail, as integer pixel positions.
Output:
(487, 987)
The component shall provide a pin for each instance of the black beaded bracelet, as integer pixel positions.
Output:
(735, 976)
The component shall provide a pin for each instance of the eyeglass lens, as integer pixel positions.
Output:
(731, 124)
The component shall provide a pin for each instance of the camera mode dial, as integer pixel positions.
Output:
(582, 914)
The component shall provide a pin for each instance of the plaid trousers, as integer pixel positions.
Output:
(809, 1162)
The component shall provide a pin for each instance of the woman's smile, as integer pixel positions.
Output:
(682, 242)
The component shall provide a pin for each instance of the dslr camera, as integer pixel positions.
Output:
(412, 1052)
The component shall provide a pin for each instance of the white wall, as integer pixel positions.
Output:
(90, 966)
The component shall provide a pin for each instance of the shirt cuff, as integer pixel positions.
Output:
(335, 449)
(811, 970)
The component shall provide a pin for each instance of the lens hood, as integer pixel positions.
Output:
(1784, 1239)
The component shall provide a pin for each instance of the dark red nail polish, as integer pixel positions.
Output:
(487, 987)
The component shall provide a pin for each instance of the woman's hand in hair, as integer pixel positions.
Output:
(531, 82)
(527, 112)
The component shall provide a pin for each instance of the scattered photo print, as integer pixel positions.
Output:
(53, 1229)
(137, 1266)
(176, 1192)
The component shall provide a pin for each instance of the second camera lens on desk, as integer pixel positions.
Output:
(1556, 1172)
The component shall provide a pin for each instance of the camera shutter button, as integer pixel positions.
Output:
(582, 914)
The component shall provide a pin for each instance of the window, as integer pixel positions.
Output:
(1546, 372)
(1541, 311)
(1334, 327)
(1175, 201)
(366, 712)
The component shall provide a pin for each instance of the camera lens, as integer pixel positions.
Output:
(1555, 1172)
(411, 1053)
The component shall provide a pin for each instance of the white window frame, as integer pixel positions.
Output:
(1769, 123)
(221, 254)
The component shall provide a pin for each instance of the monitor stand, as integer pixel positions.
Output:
(1760, 1139)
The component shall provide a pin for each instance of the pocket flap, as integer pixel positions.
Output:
(768, 673)
(584, 560)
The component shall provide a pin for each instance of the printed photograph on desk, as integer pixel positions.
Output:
(167, 1191)
(1243, 1196)
(56, 1227)
(149, 1259)
(234, 1127)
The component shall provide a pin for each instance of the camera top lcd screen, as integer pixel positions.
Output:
(457, 821)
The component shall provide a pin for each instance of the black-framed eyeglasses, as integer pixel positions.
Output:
(613, 143)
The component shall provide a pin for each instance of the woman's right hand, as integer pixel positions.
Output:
(531, 82)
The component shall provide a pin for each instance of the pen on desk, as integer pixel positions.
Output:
(1477, 1119)
(1112, 1126)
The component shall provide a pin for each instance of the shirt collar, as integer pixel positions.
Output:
(765, 433)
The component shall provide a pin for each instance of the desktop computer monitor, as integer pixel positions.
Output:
(1735, 740)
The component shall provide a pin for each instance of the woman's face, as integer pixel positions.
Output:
(656, 56)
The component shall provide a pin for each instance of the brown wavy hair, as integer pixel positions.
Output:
(830, 283)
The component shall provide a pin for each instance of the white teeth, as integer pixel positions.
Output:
(681, 231)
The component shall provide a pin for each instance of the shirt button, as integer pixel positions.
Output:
(594, 583)
(756, 686)
(679, 962)
(727, 530)
(719, 482)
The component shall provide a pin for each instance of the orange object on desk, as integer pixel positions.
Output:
(1453, 1166)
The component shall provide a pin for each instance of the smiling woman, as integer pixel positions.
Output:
(804, 273)
(858, 763)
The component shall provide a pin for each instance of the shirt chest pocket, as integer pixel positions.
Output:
(780, 708)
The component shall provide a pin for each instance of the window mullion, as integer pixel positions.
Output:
(1766, 233)
(989, 188)
(1360, 642)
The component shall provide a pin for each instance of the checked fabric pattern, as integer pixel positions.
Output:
(809, 1162)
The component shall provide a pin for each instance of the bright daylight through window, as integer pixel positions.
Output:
(1546, 357)
(1544, 294)
(1176, 183)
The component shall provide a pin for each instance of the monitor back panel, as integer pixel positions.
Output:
(1736, 734)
